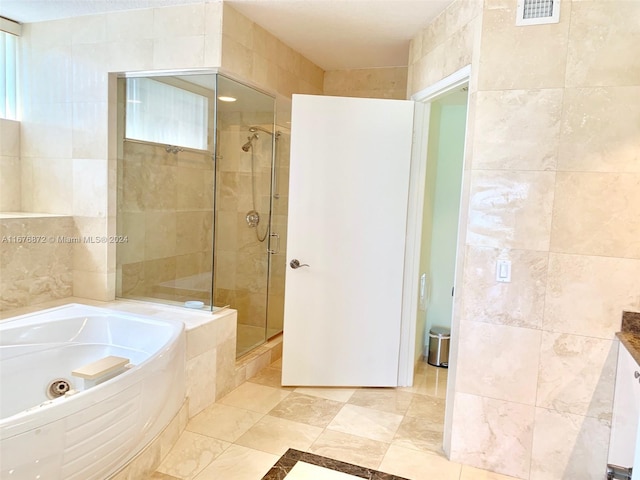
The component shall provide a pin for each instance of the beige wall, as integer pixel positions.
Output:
(367, 82)
(68, 136)
(10, 172)
(165, 210)
(251, 52)
(35, 265)
(552, 180)
(67, 132)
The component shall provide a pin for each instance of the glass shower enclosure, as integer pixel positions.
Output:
(196, 182)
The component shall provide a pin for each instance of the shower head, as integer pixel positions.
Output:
(249, 144)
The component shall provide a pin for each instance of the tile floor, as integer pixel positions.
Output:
(398, 431)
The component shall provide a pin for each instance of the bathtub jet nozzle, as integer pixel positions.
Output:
(58, 388)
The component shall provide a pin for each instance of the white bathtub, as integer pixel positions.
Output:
(94, 432)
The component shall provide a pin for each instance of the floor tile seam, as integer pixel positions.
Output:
(255, 411)
(379, 409)
(294, 421)
(377, 467)
(207, 465)
(318, 396)
(226, 439)
(327, 430)
(277, 387)
(382, 458)
(218, 457)
(385, 410)
(353, 434)
(414, 392)
(430, 426)
(280, 388)
(421, 417)
(257, 449)
(439, 454)
(396, 443)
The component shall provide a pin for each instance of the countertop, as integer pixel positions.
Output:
(630, 334)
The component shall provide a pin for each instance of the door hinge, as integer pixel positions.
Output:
(615, 472)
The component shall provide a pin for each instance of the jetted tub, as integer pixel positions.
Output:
(92, 433)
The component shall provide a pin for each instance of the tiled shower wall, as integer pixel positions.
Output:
(166, 211)
(241, 264)
(552, 175)
(68, 139)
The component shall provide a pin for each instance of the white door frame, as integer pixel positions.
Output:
(423, 100)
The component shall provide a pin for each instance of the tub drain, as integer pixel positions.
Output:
(58, 388)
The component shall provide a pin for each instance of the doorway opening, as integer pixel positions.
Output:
(435, 231)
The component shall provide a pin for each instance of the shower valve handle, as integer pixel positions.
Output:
(295, 263)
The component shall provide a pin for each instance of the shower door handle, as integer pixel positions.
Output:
(295, 263)
(277, 249)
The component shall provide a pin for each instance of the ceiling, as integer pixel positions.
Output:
(334, 34)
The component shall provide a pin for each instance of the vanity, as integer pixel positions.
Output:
(624, 447)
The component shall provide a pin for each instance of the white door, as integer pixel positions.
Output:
(348, 193)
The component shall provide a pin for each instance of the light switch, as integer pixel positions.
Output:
(503, 271)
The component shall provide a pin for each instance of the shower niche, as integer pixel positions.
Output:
(201, 199)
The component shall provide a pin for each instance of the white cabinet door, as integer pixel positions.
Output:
(348, 194)
(626, 413)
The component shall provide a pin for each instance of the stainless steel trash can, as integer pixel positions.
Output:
(439, 339)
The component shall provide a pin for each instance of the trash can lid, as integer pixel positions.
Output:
(439, 332)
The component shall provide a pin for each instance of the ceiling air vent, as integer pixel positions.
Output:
(536, 12)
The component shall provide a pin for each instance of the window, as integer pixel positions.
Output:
(8, 47)
(159, 112)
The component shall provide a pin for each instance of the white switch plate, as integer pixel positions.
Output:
(423, 291)
(503, 271)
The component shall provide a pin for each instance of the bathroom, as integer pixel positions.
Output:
(541, 198)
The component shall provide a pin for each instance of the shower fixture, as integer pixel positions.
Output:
(249, 144)
(173, 149)
(259, 129)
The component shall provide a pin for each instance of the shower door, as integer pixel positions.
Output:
(244, 158)
(349, 185)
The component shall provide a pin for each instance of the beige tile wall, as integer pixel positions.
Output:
(367, 83)
(241, 266)
(68, 136)
(10, 171)
(165, 211)
(254, 54)
(36, 263)
(552, 168)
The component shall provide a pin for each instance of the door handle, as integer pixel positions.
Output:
(295, 263)
(277, 249)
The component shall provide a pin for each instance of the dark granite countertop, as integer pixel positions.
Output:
(630, 334)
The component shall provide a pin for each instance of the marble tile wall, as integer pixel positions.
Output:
(24, 242)
(165, 211)
(367, 82)
(10, 171)
(68, 136)
(251, 52)
(552, 174)
(241, 266)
